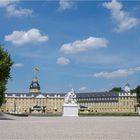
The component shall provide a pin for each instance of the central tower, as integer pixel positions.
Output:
(34, 86)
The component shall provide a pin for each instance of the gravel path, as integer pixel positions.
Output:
(127, 128)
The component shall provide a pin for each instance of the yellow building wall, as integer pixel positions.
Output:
(124, 104)
(54, 104)
(127, 104)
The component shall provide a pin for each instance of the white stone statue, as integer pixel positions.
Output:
(70, 107)
(70, 97)
(127, 88)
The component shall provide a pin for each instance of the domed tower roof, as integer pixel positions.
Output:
(34, 86)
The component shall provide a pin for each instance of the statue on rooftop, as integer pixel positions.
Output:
(127, 88)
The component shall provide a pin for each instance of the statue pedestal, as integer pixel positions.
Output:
(70, 109)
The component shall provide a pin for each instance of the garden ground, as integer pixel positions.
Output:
(13, 127)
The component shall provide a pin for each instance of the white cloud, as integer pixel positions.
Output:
(118, 73)
(24, 37)
(82, 89)
(65, 4)
(84, 45)
(12, 9)
(4, 3)
(63, 61)
(123, 19)
(18, 65)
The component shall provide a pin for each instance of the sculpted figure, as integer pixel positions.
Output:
(127, 88)
(70, 97)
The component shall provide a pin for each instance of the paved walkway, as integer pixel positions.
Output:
(127, 128)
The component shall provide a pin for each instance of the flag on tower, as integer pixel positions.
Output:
(37, 69)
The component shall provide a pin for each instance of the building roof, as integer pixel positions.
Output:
(97, 94)
(78, 95)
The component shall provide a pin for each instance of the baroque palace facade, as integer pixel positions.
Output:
(37, 102)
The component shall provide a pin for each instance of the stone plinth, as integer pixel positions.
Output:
(70, 109)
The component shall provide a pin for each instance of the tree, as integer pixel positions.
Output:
(116, 89)
(137, 91)
(5, 67)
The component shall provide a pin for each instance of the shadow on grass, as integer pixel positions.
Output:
(3, 117)
(108, 114)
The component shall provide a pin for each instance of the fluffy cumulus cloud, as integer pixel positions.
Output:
(63, 61)
(12, 9)
(4, 3)
(118, 73)
(65, 4)
(24, 37)
(18, 65)
(84, 45)
(123, 19)
(82, 89)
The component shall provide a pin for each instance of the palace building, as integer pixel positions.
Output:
(107, 102)
(37, 102)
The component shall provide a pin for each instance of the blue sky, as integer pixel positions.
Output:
(88, 46)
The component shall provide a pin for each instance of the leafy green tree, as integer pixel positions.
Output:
(137, 91)
(5, 67)
(116, 89)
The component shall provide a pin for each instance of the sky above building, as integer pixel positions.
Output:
(85, 45)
